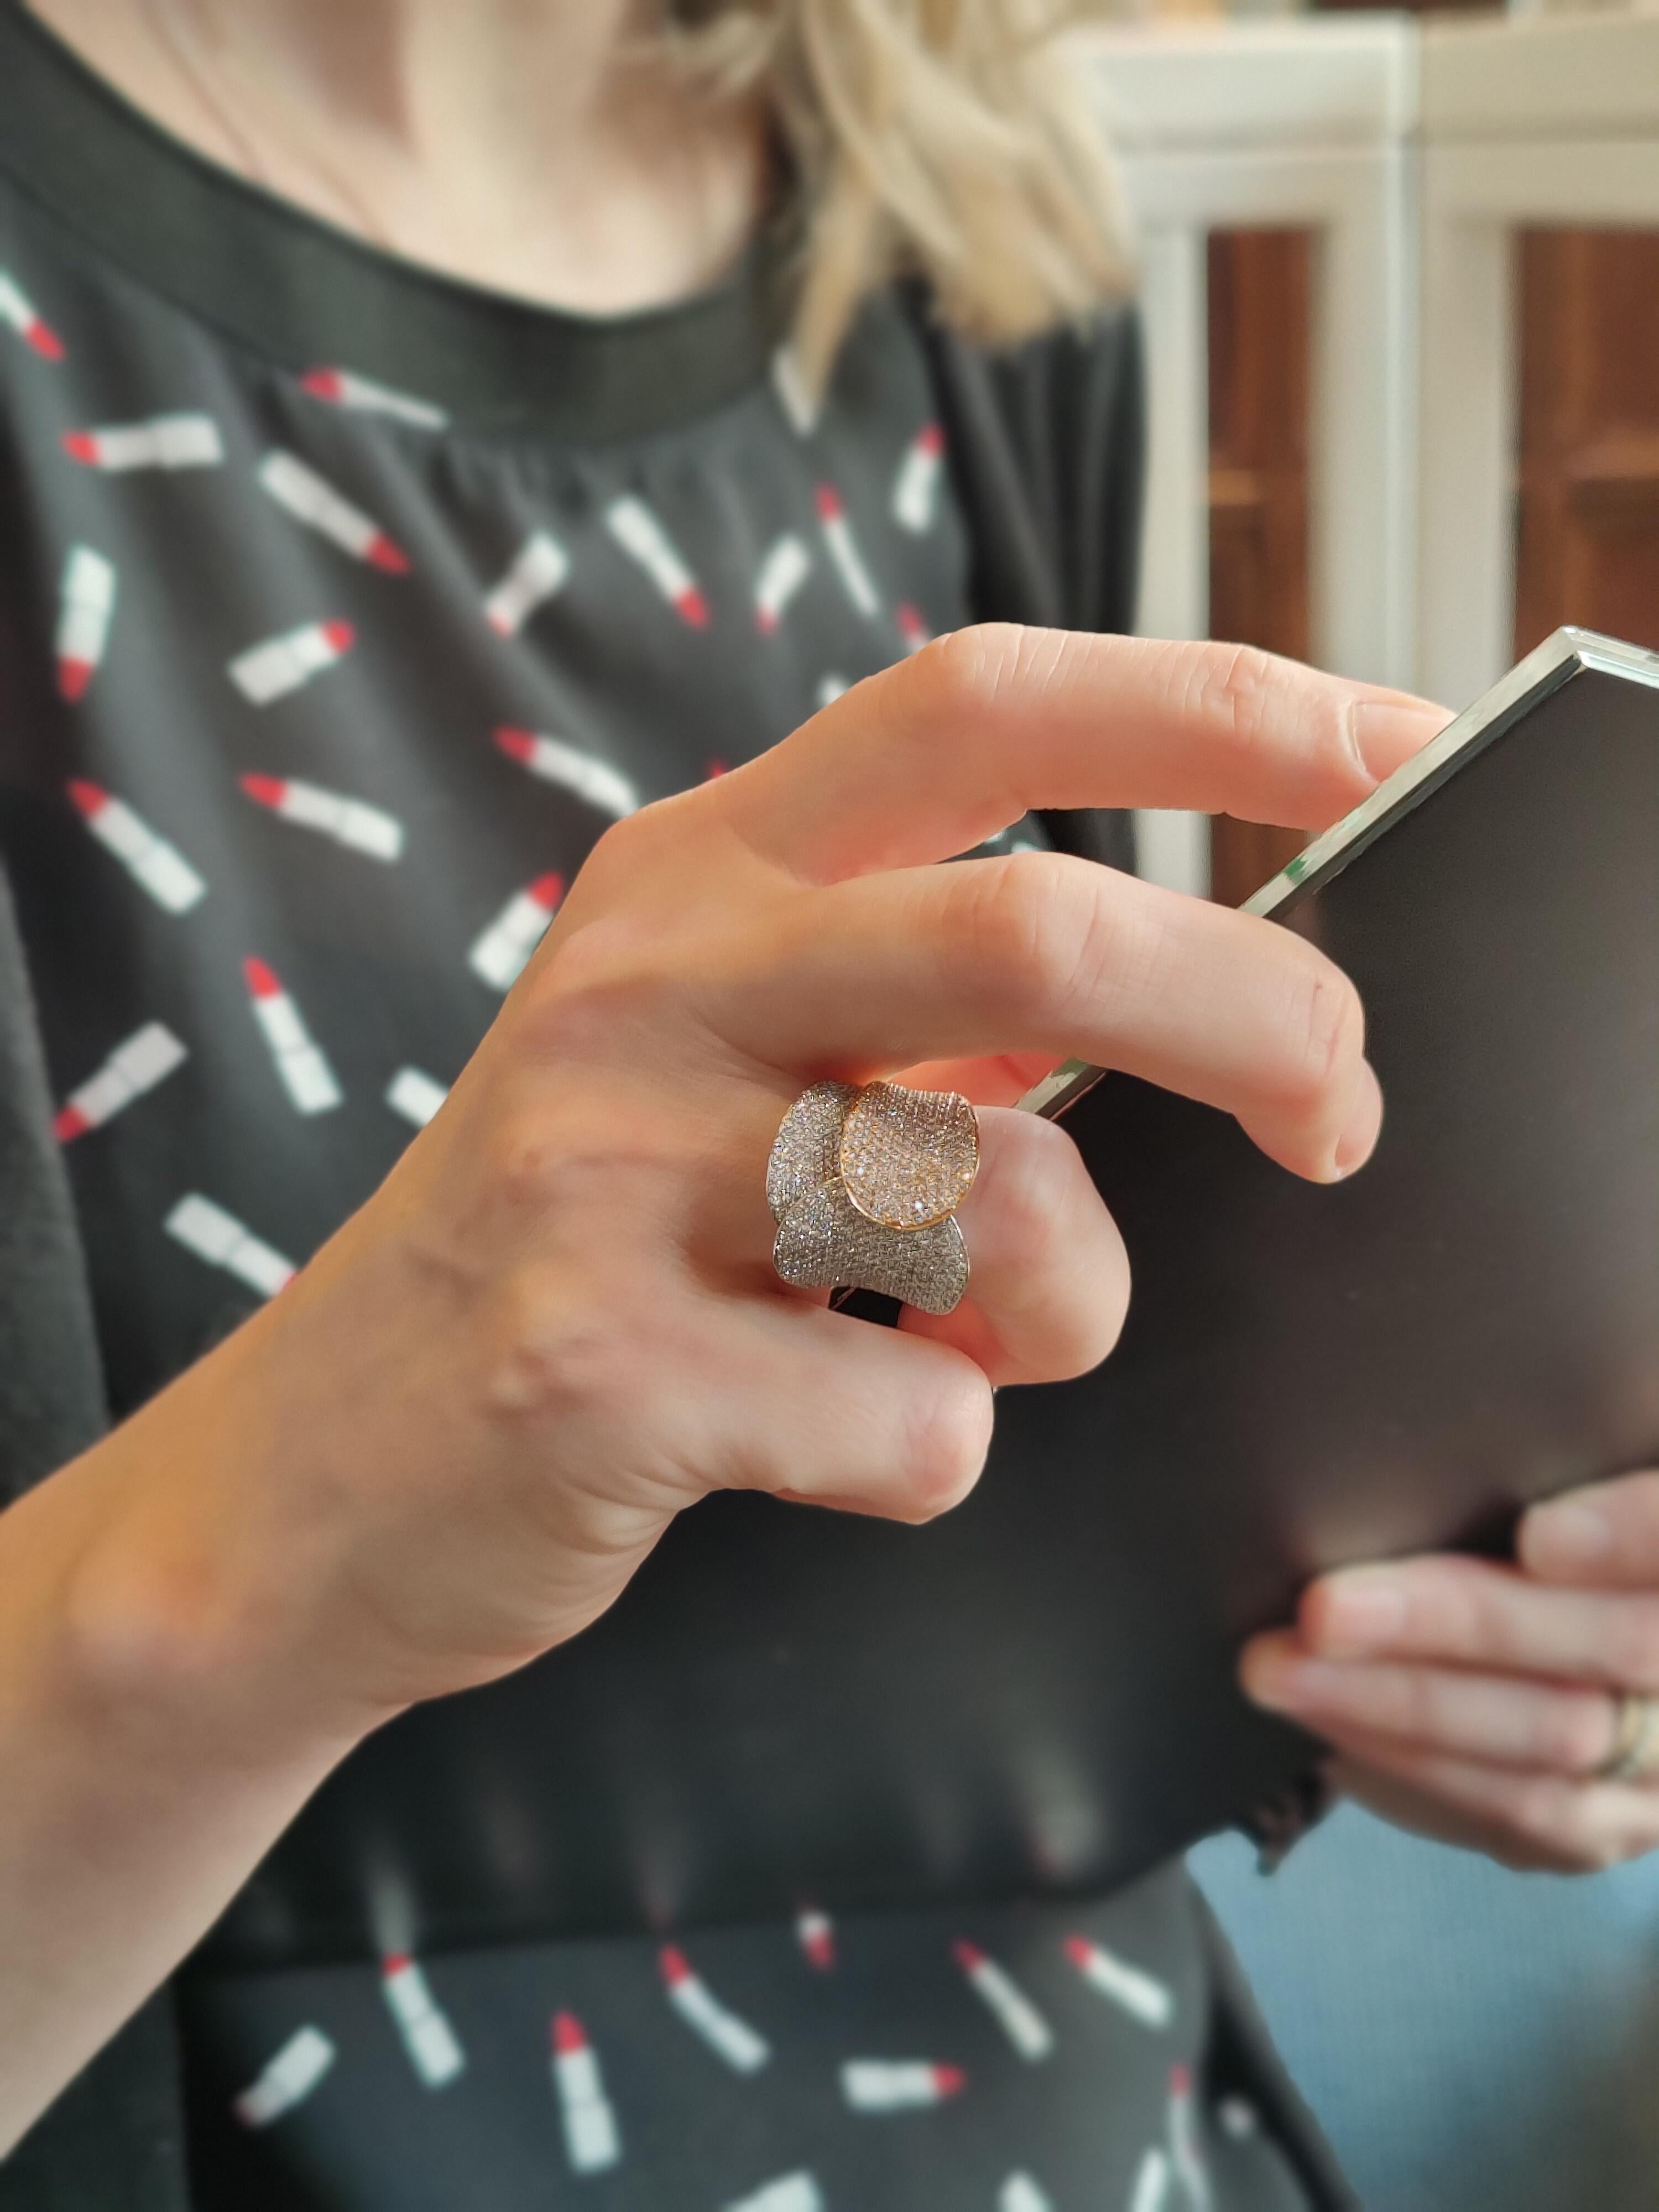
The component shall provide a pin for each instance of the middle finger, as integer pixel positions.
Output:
(1044, 953)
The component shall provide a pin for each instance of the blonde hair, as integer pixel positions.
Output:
(941, 139)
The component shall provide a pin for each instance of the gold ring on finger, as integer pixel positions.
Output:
(1635, 1753)
(864, 1183)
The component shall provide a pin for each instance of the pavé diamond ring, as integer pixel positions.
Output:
(864, 1181)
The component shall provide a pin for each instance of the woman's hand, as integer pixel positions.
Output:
(450, 1442)
(452, 1438)
(1475, 1701)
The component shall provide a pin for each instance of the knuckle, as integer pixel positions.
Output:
(1234, 688)
(1571, 1734)
(1326, 1030)
(1003, 933)
(527, 1168)
(947, 1435)
(967, 671)
(1414, 1702)
(1633, 1643)
(1034, 929)
(551, 1356)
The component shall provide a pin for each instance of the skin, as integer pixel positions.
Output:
(448, 1445)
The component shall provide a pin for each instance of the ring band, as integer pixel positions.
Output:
(1635, 1753)
(864, 1181)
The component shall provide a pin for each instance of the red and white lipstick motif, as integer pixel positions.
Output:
(1150, 2192)
(898, 2085)
(732, 2037)
(799, 407)
(165, 441)
(844, 552)
(434, 2050)
(816, 1934)
(218, 1237)
(591, 2141)
(1019, 2193)
(499, 953)
(136, 1066)
(916, 487)
(19, 312)
(785, 569)
(344, 387)
(278, 665)
(640, 535)
(311, 500)
(156, 866)
(537, 572)
(415, 1095)
(556, 761)
(306, 1075)
(286, 2080)
(351, 821)
(1141, 1997)
(86, 608)
(790, 2192)
(1013, 2011)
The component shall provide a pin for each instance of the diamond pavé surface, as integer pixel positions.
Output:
(908, 1158)
(805, 1150)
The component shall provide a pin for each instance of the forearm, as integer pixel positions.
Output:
(149, 1756)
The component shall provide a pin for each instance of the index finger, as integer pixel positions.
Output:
(929, 758)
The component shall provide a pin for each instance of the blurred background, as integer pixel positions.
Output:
(1402, 284)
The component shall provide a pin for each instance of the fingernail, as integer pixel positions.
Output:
(1359, 1133)
(1577, 1535)
(1359, 1616)
(1388, 732)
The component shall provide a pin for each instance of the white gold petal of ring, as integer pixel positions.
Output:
(864, 1181)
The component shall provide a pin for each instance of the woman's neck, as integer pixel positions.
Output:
(528, 145)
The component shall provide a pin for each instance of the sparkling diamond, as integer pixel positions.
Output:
(908, 1158)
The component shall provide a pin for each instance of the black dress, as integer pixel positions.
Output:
(342, 606)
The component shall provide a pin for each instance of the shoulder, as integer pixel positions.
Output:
(1047, 444)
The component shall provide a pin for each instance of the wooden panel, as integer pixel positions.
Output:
(1259, 299)
(1588, 522)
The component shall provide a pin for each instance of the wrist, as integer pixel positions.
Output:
(187, 1609)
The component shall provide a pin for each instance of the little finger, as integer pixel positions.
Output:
(1535, 1822)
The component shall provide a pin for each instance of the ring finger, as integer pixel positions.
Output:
(1049, 1281)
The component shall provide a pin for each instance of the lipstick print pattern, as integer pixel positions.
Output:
(278, 665)
(165, 441)
(307, 810)
(19, 313)
(86, 608)
(344, 387)
(311, 500)
(536, 573)
(136, 1066)
(213, 1235)
(349, 822)
(154, 864)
